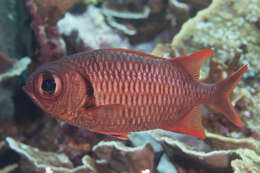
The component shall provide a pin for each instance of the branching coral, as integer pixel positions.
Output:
(45, 14)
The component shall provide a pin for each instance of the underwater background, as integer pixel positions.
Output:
(33, 32)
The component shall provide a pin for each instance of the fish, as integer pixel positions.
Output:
(118, 91)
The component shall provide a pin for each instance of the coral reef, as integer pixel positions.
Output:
(123, 158)
(45, 15)
(241, 155)
(90, 31)
(136, 18)
(49, 160)
(41, 144)
(230, 150)
(165, 165)
(224, 26)
(233, 33)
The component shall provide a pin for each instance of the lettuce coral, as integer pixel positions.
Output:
(50, 160)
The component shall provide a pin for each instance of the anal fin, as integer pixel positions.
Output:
(120, 135)
(191, 124)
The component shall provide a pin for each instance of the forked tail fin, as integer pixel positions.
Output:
(222, 101)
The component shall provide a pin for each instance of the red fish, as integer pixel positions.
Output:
(118, 91)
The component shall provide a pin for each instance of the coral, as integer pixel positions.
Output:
(141, 138)
(162, 50)
(18, 68)
(249, 162)
(90, 30)
(224, 26)
(45, 15)
(123, 158)
(113, 154)
(165, 165)
(196, 5)
(233, 33)
(11, 68)
(50, 160)
(140, 20)
(224, 154)
(228, 151)
(180, 10)
(120, 10)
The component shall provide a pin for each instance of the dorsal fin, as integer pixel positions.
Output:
(136, 52)
(190, 124)
(192, 63)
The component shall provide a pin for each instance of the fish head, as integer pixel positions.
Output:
(57, 89)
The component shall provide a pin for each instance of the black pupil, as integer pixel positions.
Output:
(49, 85)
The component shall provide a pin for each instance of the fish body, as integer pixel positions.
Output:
(118, 91)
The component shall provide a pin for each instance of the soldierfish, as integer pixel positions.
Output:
(118, 91)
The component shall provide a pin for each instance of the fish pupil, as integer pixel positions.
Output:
(49, 85)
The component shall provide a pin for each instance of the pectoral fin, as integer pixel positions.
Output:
(105, 111)
(190, 124)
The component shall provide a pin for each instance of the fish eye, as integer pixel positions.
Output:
(49, 84)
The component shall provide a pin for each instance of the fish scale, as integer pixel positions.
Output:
(156, 92)
(117, 91)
